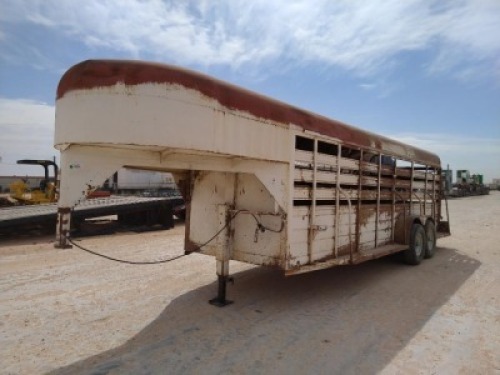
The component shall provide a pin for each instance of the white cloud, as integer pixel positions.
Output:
(26, 113)
(479, 155)
(368, 86)
(27, 132)
(362, 37)
(470, 45)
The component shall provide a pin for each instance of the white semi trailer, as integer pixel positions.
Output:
(264, 182)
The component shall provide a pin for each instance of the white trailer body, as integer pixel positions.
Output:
(264, 182)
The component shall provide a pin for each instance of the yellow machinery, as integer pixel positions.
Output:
(45, 193)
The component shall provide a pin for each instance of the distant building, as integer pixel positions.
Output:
(495, 184)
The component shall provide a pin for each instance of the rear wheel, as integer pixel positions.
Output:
(430, 243)
(415, 252)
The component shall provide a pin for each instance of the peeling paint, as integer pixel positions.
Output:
(93, 74)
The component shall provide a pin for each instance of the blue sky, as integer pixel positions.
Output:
(424, 72)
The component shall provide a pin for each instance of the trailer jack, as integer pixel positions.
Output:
(220, 300)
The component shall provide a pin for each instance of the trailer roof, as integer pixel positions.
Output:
(101, 73)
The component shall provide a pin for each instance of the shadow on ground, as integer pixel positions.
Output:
(342, 320)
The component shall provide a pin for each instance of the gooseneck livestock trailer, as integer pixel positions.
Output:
(264, 182)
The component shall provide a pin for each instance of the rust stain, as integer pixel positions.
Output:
(400, 229)
(332, 257)
(364, 216)
(104, 73)
(346, 249)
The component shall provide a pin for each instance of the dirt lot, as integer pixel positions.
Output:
(67, 312)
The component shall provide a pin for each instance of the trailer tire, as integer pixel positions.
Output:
(430, 239)
(415, 252)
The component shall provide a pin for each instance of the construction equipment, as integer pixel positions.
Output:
(466, 185)
(46, 191)
(130, 211)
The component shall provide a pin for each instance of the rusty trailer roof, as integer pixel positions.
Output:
(104, 73)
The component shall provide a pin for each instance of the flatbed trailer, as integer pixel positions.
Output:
(264, 182)
(147, 211)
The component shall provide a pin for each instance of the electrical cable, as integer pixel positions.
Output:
(123, 260)
(197, 249)
(263, 228)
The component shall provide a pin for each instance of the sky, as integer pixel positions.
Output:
(424, 72)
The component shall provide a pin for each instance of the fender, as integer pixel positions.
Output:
(403, 226)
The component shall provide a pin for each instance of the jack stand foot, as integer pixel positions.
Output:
(58, 246)
(219, 303)
(62, 242)
(220, 300)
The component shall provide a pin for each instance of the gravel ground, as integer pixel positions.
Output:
(68, 312)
